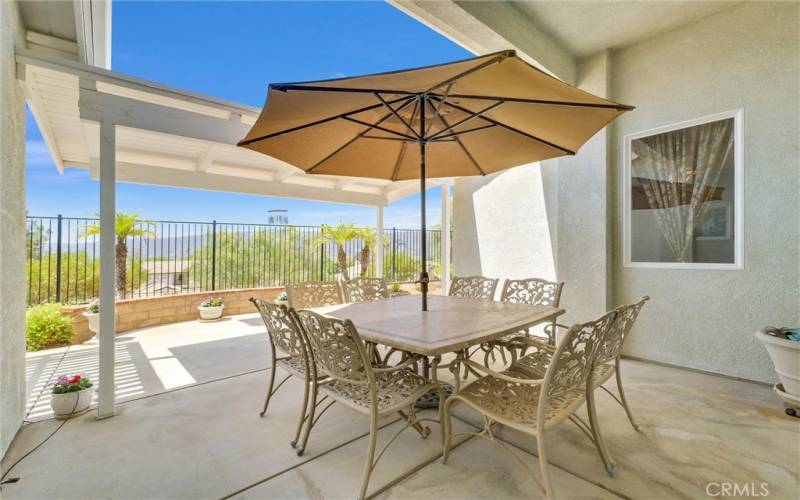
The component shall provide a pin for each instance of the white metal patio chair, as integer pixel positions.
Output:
(533, 405)
(365, 289)
(473, 287)
(607, 364)
(339, 350)
(314, 294)
(286, 335)
(531, 291)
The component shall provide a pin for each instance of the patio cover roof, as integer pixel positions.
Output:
(171, 137)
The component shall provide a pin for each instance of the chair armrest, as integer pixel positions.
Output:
(480, 368)
(534, 342)
(411, 359)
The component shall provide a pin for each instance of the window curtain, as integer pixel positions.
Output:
(668, 162)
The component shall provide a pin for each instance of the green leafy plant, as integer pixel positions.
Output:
(125, 226)
(93, 307)
(211, 302)
(282, 297)
(46, 327)
(340, 234)
(395, 287)
(71, 383)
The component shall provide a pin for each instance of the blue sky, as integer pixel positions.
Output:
(233, 50)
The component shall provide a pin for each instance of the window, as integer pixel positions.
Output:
(683, 195)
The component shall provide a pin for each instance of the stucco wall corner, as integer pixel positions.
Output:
(12, 230)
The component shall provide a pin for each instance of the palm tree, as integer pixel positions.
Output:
(125, 226)
(370, 239)
(339, 235)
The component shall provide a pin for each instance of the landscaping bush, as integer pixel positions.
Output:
(46, 327)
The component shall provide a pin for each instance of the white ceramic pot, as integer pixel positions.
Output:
(71, 404)
(94, 321)
(785, 356)
(214, 312)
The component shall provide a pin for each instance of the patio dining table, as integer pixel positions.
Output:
(450, 325)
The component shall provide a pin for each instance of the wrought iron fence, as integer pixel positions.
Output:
(63, 257)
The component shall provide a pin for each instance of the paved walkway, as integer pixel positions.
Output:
(154, 360)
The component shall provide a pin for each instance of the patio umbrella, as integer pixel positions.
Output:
(471, 117)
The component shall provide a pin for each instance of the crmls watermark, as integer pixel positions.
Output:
(732, 489)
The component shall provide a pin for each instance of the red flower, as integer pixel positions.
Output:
(75, 379)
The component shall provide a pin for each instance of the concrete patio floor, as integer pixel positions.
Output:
(193, 431)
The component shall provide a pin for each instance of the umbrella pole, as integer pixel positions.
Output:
(423, 275)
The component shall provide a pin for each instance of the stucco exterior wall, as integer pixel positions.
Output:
(12, 230)
(547, 219)
(745, 57)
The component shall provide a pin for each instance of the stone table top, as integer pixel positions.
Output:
(450, 324)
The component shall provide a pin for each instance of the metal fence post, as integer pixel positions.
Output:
(213, 255)
(322, 262)
(394, 254)
(58, 259)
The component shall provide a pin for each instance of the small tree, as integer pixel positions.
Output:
(370, 239)
(125, 226)
(339, 235)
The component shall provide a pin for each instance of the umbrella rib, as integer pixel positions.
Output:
(498, 58)
(465, 120)
(354, 139)
(378, 127)
(463, 148)
(396, 114)
(536, 101)
(352, 90)
(454, 134)
(400, 157)
(436, 111)
(509, 127)
(318, 122)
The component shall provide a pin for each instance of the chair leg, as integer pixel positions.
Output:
(543, 465)
(310, 418)
(368, 464)
(618, 375)
(442, 397)
(271, 383)
(303, 411)
(597, 437)
(447, 425)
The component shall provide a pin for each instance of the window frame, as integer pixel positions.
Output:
(738, 195)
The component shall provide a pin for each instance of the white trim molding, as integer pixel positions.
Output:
(738, 196)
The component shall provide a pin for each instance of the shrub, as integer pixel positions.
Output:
(46, 327)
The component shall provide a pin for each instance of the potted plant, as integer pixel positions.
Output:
(282, 299)
(783, 346)
(92, 314)
(211, 308)
(72, 396)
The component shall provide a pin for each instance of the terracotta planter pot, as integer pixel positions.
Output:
(209, 313)
(71, 404)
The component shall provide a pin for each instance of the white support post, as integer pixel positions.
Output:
(445, 238)
(106, 396)
(379, 250)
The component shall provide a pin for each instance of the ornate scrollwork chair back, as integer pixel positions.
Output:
(282, 328)
(314, 294)
(611, 347)
(365, 289)
(574, 357)
(533, 291)
(337, 348)
(473, 287)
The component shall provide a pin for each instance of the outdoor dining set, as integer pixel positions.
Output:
(352, 343)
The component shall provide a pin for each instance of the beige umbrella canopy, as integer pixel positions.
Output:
(470, 117)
